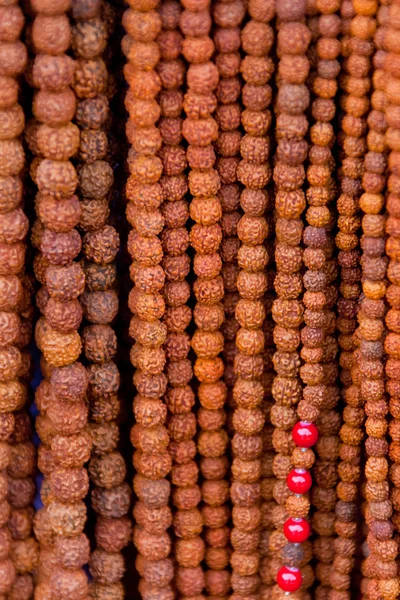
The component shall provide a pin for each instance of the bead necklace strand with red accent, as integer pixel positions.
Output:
(319, 373)
(292, 486)
(254, 172)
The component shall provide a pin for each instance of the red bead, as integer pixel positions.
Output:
(299, 481)
(289, 579)
(305, 434)
(296, 530)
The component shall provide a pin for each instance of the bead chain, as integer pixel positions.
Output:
(254, 172)
(18, 549)
(287, 311)
(60, 398)
(180, 399)
(151, 460)
(319, 371)
(200, 129)
(107, 469)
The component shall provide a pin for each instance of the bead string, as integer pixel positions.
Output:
(254, 172)
(18, 548)
(319, 371)
(61, 396)
(287, 311)
(151, 460)
(107, 469)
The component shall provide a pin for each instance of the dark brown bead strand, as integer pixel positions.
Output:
(151, 459)
(61, 396)
(18, 548)
(107, 468)
(180, 398)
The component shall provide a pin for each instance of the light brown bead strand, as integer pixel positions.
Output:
(61, 397)
(152, 460)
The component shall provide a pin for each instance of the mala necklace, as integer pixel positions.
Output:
(287, 311)
(200, 130)
(254, 173)
(187, 520)
(228, 17)
(61, 396)
(356, 47)
(379, 567)
(107, 469)
(19, 552)
(319, 373)
(152, 461)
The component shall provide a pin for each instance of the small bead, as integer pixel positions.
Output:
(289, 579)
(296, 530)
(305, 434)
(299, 481)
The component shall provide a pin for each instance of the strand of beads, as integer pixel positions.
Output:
(378, 566)
(18, 551)
(381, 526)
(61, 399)
(228, 16)
(107, 469)
(200, 130)
(186, 495)
(287, 311)
(319, 373)
(356, 48)
(351, 433)
(254, 172)
(151, 459)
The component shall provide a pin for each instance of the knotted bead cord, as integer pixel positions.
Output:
(200, 130)
(287, 311)
(18, 548)
(61, 396)
(254, 172)
(319, 371)
(152, 461)
(110, 495)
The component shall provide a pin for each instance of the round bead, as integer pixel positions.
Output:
(289, 579)
(304, 434)
(296, 530)
(299, 481)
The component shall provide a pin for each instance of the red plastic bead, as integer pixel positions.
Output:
(296, 530)
(289, 579)
(299, 481)
(305, 434)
